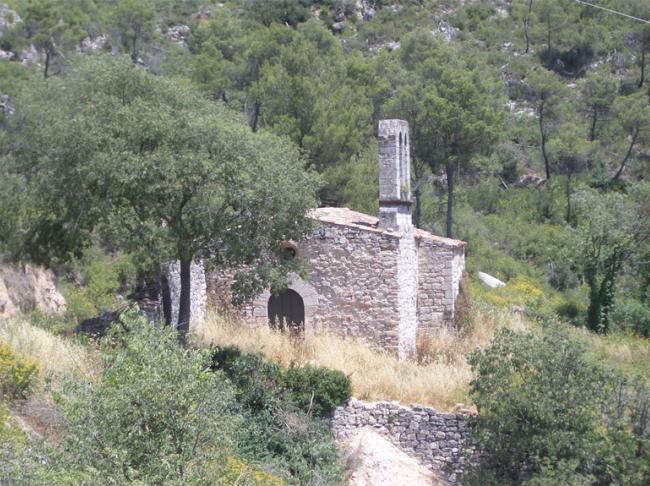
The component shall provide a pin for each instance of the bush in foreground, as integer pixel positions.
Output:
(549, 415)
(156, 414)
(285, 410)
(17, 374)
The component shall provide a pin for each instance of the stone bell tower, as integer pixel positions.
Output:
(395, 215)
(394, 176)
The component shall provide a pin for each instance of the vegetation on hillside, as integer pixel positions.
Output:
(520, 114)
(148, 410)
(135, 132)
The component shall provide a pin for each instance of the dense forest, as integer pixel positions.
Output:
(530, 129)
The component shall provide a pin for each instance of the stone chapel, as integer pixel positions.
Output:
(377, 278)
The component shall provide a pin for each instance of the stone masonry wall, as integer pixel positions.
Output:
(440, 268)
(354, 272)
(441, 441)
(407, 294)
(432, 281)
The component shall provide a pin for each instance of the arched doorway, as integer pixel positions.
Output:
(287, 309)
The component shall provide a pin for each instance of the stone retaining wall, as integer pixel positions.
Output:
(441, 441)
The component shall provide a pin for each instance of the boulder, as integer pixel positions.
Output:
(7, 55)
(530, 180)
(178, 33)
(490, 281)
(337, 27)
(30, 55)
(393, 46)
(91, 45)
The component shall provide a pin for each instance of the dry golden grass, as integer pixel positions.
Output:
(57, 355)
(629, 354)
(439, 377)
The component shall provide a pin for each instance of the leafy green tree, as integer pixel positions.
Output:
(54, 28)
(610, 226)
(171, 175)
(156, 414)
(290, 12)
(633, 113)
(218, 47)
(451, 111)
(570, 154)
(641, 42)
(548, 414)
(547, 92)
(598, 91)
(135, 21)
(550, 19)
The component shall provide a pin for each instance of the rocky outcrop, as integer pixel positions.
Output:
(370, 460)
(8, 18)
(178, 34)
(91, 45)
(28, 288)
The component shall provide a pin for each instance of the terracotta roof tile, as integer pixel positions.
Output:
(353, 219)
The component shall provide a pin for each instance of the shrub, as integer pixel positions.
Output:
(238, 471)
(256, 380)
(95, 280)
(314, 390)
(156, 413)
(278, 428)
(520, 291)
(549, 415)
(570, 311)
(16, 466)
(17, 374)
(463, 321)
(632, 315)
(317, 390)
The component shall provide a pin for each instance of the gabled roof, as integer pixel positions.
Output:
(365, 222)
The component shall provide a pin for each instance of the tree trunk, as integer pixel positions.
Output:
(184, 304)
(642, 78)
(568, 198)
(256, 115)
(635, 135)
(166, 298)
(134, 46)
(47, 63)
(449, 170)
(417, 193)
(547, 167)
(526, 25)
(594, 120)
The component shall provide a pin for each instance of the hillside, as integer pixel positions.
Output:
(568, 121)
(135, 133)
